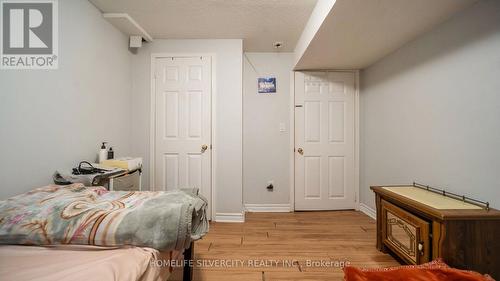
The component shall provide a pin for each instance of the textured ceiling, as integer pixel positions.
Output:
(259, 22)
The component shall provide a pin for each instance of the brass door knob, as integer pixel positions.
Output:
(300, 151)
(204, 148)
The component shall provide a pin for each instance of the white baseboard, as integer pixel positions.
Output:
(368, 211)
(270, 208)
(230, 217)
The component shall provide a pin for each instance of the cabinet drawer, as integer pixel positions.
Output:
(129, 182)
(405, 234)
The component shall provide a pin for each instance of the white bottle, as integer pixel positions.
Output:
(102, 153)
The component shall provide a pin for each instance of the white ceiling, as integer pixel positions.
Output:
(259, 22)
(357, 33)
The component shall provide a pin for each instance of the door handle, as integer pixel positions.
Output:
(420, 247)
(300, 151)
(204, 148)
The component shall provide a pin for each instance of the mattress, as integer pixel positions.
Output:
(83, 263)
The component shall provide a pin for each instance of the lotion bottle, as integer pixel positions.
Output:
(102, 153)
(111, 153)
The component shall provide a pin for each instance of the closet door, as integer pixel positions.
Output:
(183, 124)
(324, 141)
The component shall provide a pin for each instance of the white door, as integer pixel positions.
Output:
(183, 124)
(324, 141)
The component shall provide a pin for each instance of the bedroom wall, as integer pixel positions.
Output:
(228, 121)
(52, 119)
(430, 111)
(265, 148)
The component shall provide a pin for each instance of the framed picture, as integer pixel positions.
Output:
(266, 85)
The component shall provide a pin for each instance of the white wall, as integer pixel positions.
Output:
(266, 149)
(53, 119)
(431, 110)
(228, 123)
(318, 15)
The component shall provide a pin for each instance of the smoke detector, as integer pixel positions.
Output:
(277, 44)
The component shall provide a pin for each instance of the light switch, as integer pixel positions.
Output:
(282, 127)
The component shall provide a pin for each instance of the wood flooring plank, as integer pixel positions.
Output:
(297, 240)
(222, 275)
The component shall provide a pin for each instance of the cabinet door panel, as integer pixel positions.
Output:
(405, 234)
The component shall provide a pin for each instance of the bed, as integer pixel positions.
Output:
(88, 233)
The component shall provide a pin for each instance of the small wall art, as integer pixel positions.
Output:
(266, 85)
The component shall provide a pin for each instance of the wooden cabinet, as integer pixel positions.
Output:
(418, 226)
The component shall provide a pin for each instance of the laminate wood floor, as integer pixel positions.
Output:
(288, 246)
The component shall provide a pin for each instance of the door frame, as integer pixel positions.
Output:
(356, 134)
(152, 120)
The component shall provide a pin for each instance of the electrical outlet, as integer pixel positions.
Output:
(270, 186)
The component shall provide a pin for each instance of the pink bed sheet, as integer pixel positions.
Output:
(82, 263)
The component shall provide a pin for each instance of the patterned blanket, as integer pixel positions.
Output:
(75, 214)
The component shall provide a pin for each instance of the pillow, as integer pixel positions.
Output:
(435, 270)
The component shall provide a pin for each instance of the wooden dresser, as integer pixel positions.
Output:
(419, 225)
